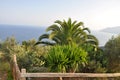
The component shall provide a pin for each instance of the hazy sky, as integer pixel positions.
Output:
(96, 14)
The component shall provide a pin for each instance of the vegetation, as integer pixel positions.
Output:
(97, 61)
(66, 58)
(67, 32)
(28, 55)
(5, 68)
(31, 55)
(7, 48)
(112, 50)
(73, 49)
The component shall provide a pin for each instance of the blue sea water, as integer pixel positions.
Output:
(21, 33)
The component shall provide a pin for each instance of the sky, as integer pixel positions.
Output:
(96, 14)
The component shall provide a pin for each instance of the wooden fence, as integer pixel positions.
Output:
(23, 74)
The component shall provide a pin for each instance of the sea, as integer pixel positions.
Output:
(21, 32)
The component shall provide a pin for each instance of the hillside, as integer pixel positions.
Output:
(113, 30)
(103, 37)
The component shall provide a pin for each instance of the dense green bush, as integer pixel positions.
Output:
(31, 56)
(112, 50)
(65, 58)
(97, 60)
(9, 75)
(5, 67)
(28, 55)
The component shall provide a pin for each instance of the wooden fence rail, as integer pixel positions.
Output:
(23, 74)
(70, 75)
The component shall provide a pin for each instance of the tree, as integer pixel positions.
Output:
(96, 60)
(8, 49)
(30, 56)
(112, 50)
(67, 32)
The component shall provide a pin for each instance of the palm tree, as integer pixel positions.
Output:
(69, 32)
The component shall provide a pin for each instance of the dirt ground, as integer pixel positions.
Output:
(3, 75)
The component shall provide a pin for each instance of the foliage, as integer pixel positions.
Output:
(74, 50)
(97, 61)
(67, 32)
(9, 77)
(112, 50)
(28, 55)
(4, 66)
(38, 69)
(29, 60)
(65, 58)
(8, 48)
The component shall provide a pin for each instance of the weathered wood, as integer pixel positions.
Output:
(70, 75)
(14, 58)
(16, 71)
(22, 75)
(23, 71)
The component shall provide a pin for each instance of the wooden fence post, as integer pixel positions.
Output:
(23, 71)
(16, 71)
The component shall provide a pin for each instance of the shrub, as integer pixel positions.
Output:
(65, 58)
(112, 50)
(97, 60)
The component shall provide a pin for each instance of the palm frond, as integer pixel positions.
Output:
(53, 27)
(45, 43)
(59, 22)
(74, 23)
(52, 34)
(57, 40)
(44, 36)
(76, 26)
(87, 29)
(65, 26)
(93, 39)
(69, 22)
